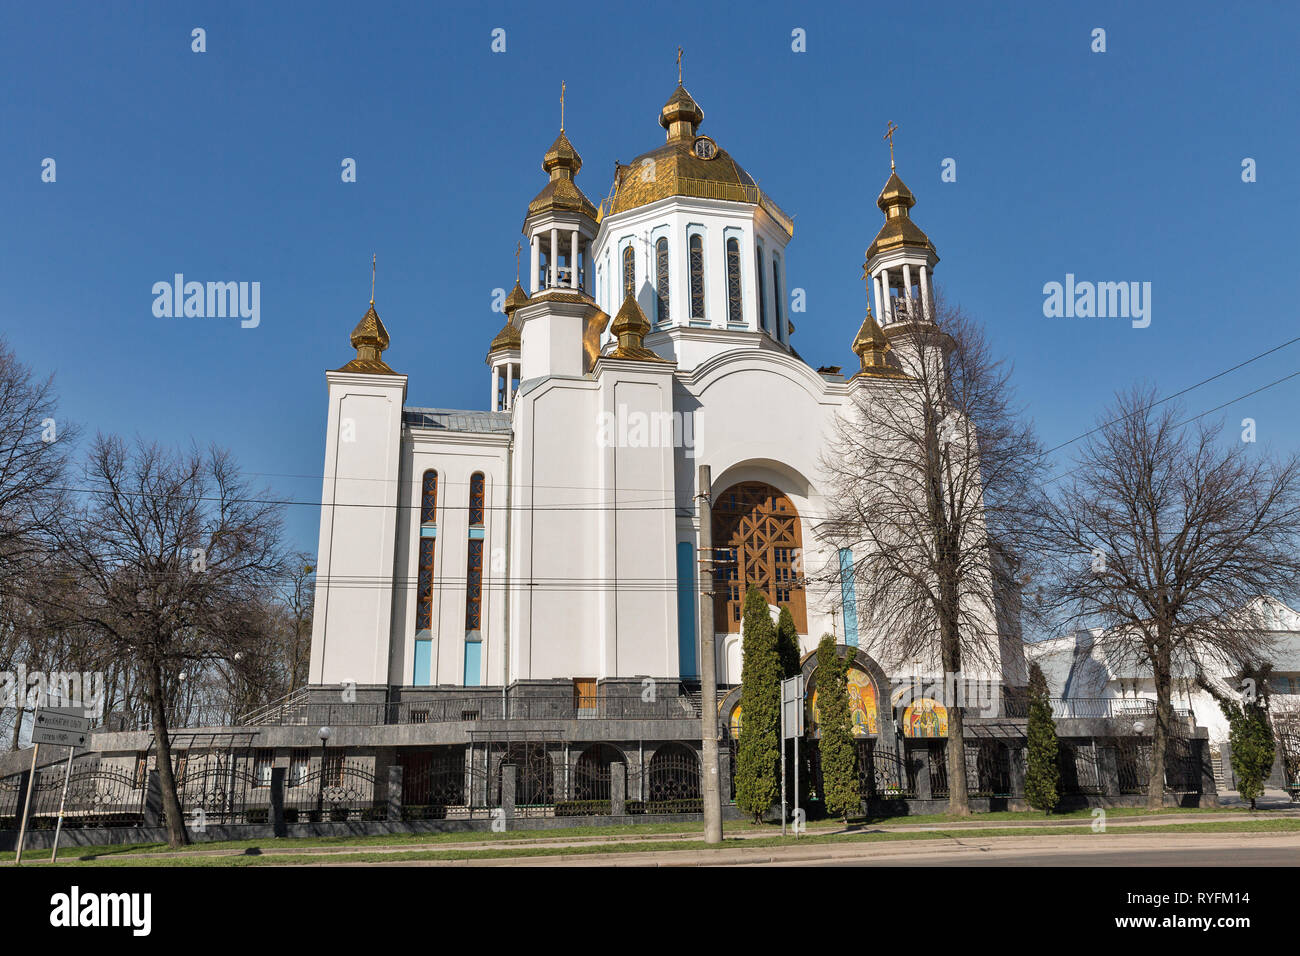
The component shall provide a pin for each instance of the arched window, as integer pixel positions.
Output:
(697, 276)
(734, 314)
(629, 272)
(661, 280)
(756, 531)
(776, 297)
(762, 289)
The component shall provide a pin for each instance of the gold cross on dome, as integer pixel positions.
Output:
(373, 260)
(679, 66)
(889, 135)
(518, 247)
(561, 106)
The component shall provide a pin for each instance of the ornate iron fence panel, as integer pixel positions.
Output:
(535, 784)
(937, 755)
(222, 790)
(1079, 768)
(881, 774)
(1288, 746)
(672, 782)
(440, 784)
(1183, 765)
(338, 791)
(1133, 763)
(988, 769)
(97, 797)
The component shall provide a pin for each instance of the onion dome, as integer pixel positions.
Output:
(871, 346)
(688, 164)
(562, 162)
(370, 339)
(631, 326)
(895, 200)
(508, 338)
(681, 115)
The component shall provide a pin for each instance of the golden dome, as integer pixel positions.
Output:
(679, 168)
(631, 326)
(370, 339)
(562, 162)
(681, 109)
(871, 346)
(515, 299)
(899, 230)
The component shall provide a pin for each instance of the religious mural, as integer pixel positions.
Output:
(864, 714)
(925, 717)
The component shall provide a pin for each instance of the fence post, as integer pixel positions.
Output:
(1016, 767)
(922, 757)
(277, 801)
(509, 775)
(618, 788)
(395, 792)
(153, 811)
(1209, 792)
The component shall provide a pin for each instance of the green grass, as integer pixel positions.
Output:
(634, 831)
(1276, 825)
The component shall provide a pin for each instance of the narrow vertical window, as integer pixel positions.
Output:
(476, 499)
(776, 298)
(734, 314)
(429, 498)
(661, 280)
(762, 289)
(428, 532)
(474, 582)
(629, 272)
(697, 276)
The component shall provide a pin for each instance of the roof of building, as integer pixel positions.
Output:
(456, 420)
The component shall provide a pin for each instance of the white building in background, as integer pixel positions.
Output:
(555, 534)
(1084, 667)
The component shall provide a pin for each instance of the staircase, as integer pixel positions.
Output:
(289, 709)
(694, 694)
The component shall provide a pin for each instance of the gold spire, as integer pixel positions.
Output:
(681, 115)
(871, 346)
(561, 106)
(631, 326)
(679, 66)
(374, 259)
(370, 339)
(899, 230)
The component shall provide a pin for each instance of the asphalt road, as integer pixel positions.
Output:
(1190, 856)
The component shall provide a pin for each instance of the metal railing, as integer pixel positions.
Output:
(1091, 707)
(438, 710)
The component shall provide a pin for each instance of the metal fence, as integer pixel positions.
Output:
(479, 707)
(97, 797)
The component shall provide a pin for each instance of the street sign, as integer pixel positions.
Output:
(64, 727)
(792, 707)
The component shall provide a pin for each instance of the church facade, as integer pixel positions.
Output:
(554, 536)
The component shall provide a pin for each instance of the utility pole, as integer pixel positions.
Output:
(708, 668)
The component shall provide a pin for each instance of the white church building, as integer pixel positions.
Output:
(555, 534)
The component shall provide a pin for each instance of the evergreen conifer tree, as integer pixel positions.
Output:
(838, 753)
(1042, 774)
(758, 753)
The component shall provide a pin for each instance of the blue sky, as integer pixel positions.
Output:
(1115, 166)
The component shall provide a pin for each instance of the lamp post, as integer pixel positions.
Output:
(324, 735)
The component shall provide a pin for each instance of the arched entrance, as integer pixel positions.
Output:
(757, 543)
(674, 780)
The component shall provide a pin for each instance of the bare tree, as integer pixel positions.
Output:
(928, 476)
(1166, 536)
(168, 548)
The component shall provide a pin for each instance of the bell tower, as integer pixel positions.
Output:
(901, 259)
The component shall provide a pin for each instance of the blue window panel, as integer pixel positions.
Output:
(686, 609)
(848, 598)
(423, 663)
(429, 531)
(473, 663)
(476, 534)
